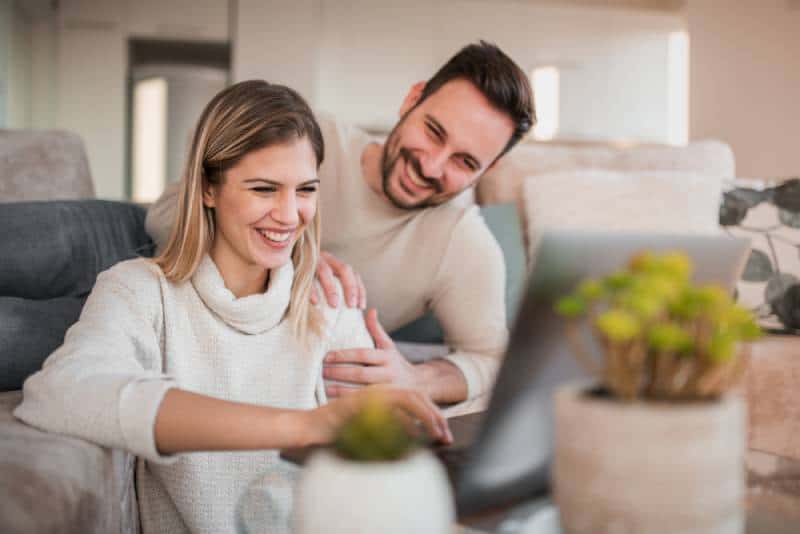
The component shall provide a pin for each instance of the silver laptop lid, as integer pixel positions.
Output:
(511, 457)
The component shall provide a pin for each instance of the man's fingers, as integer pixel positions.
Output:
(362, 293)
(326, 280)
(314, 295)
(362, 356)
(356, 374)
(379, 335)
(338, 390)
(349, 282)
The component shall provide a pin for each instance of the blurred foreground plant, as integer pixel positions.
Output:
(376, 433)
(661, 336)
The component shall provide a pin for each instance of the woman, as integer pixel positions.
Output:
(214, 345)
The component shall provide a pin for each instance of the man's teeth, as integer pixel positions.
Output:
(275, 236)
(415, 179)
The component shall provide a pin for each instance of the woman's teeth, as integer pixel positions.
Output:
(278, 237)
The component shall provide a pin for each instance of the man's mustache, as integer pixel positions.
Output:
(410, 158)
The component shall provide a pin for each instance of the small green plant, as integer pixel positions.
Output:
(661, 336)
(374, 434)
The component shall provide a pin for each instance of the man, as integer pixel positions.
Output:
(386, 212)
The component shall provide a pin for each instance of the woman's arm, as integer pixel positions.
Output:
(188, 422)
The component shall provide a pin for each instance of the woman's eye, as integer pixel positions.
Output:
(309, 189)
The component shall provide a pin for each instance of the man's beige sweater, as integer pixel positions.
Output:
(442, 258)
(138, 336)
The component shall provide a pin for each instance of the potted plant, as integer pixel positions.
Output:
(375, 479)
(658, 444)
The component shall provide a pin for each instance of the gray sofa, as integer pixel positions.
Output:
(55, 239)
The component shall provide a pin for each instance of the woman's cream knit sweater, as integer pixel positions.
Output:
(138, 336)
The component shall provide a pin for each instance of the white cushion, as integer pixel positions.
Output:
(655, 201)
(503, 183)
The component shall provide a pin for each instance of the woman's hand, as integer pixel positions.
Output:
(410, 404)
(328, 269)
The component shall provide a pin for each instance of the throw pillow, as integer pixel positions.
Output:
(54, 249)
(29, 331)
(769, 215)
(653, 201)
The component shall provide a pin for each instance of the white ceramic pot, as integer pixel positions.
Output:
(405, 496)
(630, 468)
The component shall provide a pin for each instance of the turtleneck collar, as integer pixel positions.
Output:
(253, 314)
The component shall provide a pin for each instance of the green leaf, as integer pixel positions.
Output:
(618, 325)
(571, 306)
(670, 337)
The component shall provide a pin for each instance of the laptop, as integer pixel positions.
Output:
(502, 456)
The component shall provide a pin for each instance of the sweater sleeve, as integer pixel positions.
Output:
(161, 215)
(468, 300)
(105, 384)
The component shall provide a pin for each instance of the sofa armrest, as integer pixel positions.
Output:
(55, 483)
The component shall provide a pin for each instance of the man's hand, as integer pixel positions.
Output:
(381, 365)
(354, 291)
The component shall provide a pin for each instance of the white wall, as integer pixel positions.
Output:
(92, 62)
(92, 67)
(277, 40)
(15, 66)
(357, 58)
(745, 81)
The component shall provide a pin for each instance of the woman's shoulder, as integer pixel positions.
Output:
(140, 275)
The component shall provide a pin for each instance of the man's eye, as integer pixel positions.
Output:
(264, 189)
(468, 164)
(436, 133)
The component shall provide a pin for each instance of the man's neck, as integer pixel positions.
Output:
(371, 168)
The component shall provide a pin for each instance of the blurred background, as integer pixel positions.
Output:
(131, 76)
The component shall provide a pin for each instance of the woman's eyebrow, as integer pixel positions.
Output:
(274, 182)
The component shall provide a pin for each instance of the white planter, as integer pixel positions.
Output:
(630, 468)
(340, 496)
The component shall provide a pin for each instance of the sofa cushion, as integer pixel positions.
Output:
(654, 201)
(56, 249)
(505, 224)
(29, 331)
(54, 483)
(30, 160)
(503, 183)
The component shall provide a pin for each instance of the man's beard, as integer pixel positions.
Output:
(404, 156)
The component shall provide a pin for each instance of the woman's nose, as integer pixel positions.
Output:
(286, 210)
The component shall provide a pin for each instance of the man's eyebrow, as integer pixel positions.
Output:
(442, 133)
(274, 182)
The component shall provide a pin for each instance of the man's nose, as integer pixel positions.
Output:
(433, 164)
(286, 210)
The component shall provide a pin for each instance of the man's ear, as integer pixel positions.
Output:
(412, 97)
(209, 195)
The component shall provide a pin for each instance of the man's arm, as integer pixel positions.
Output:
(469, 302)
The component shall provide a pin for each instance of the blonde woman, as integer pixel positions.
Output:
(214, 345)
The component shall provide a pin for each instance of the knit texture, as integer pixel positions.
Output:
(140, 335)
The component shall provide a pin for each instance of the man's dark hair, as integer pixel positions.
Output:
(495, 75)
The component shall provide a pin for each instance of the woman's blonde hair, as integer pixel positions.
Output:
(244, 117)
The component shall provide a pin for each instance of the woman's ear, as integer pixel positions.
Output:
(209, 195)
(412, 98)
